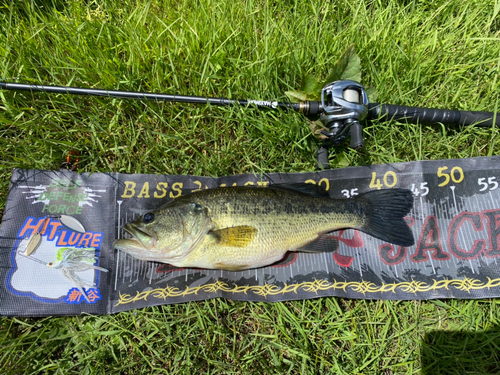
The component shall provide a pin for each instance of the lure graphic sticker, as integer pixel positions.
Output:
(58, 229)
(56, 269)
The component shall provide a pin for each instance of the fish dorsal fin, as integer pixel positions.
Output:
(301, 187)
(239, 236)
(323, 244)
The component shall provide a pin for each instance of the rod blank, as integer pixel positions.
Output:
(117, 94)
(147, 96)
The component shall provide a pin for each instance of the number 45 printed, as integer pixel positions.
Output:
(492, 184)
(420, 191)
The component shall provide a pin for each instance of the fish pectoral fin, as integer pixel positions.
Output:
(323, 244)
(239, 236)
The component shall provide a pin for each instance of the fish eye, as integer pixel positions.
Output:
(148, 217)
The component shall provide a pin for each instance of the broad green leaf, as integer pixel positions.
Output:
(353, 68)
(310, 85)
(372, 94)
(296, 96)
(340, 66)
(341, 159)
(347, 67)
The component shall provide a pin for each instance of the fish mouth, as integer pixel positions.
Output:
(139, 237)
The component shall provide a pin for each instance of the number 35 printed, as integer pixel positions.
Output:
(489, 184)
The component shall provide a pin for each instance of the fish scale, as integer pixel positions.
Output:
(284, 221)
(237, 228)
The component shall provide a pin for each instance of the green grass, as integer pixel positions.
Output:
(442, 54)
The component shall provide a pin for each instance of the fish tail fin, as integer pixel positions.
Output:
(385, 219)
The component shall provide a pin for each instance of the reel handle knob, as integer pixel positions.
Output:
(356, 133)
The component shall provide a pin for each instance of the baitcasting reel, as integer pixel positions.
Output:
(344, 105)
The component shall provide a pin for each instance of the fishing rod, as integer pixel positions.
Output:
(343, 105)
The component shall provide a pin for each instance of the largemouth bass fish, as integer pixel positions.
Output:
(236, 228)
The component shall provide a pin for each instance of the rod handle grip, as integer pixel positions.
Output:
(414, 115)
